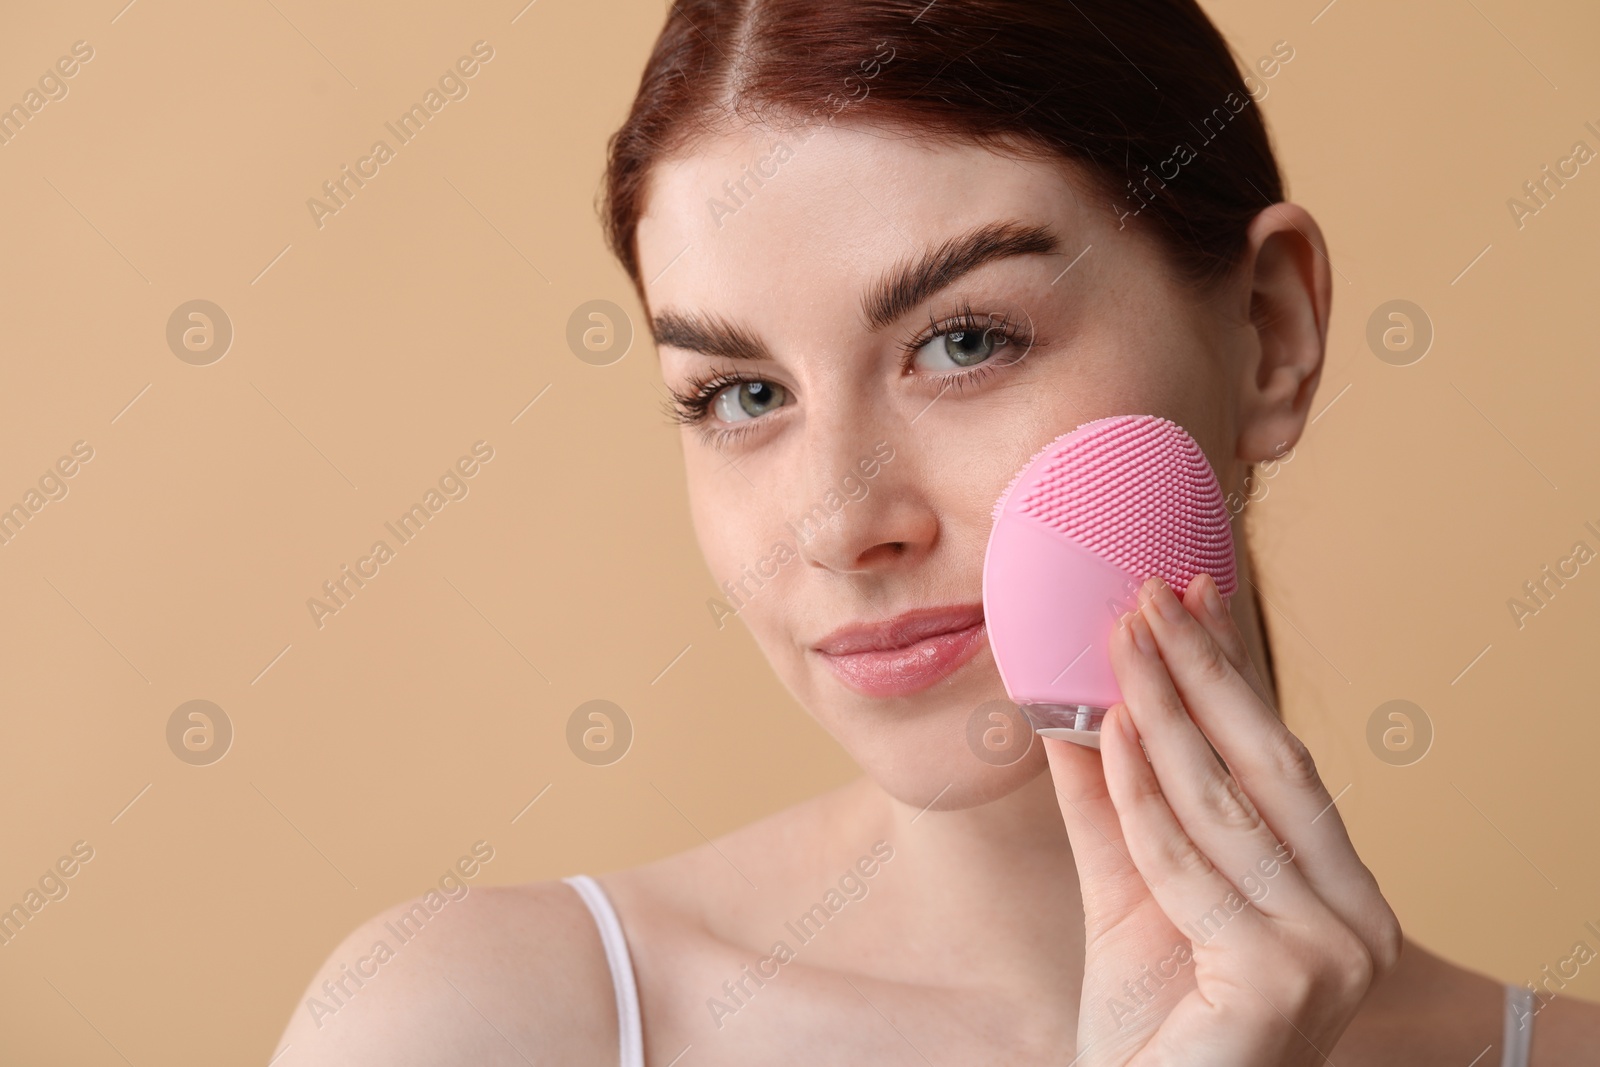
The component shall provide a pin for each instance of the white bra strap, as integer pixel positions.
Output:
(1518, 1029)
(630, 1032)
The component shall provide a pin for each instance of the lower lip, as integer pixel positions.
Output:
(902, 671)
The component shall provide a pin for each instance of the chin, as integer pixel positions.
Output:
(938, 753)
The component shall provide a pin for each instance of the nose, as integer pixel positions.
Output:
(865, 510)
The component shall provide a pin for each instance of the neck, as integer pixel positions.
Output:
(1247, 616)
(988, 895)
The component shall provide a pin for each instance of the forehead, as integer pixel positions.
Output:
(812, 215)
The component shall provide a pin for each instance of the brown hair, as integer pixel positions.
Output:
(1126, 89)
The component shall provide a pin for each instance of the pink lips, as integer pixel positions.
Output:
(907, 654)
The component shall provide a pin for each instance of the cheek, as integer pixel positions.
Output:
(1177, 369)
(742, 537)
(722, 524)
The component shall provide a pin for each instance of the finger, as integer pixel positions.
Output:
(1274, 769)
(1109, 882)
(1314, 961)
(1196, 898)
(1206, 605)
(1213, 810)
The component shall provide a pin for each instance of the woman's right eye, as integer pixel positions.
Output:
(747, 400)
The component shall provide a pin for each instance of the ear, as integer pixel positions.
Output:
(1290, 291)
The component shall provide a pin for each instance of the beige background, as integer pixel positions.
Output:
(426, 315)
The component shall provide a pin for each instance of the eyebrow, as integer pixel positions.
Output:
(711, 335)
(909, 283)
(896, 292)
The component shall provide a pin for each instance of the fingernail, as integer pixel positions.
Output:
(1167, 602)
(1125, 722)
(1212, 599)
(1142, 635)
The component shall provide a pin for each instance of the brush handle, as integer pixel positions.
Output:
(1086, 738)
(1080, 724)
(1082, 717)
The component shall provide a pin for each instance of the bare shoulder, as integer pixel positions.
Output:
(508, 974)
(1429, 1011)
(518, 974)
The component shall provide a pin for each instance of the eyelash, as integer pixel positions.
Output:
(692, 406)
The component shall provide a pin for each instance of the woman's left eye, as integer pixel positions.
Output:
(959, 348)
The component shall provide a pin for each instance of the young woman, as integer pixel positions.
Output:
(907, 244)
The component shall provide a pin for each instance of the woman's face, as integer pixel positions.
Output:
(907, 324)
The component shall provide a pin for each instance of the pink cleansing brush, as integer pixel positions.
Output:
(1086, 521)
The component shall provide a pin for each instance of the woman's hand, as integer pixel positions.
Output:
(1228, 920)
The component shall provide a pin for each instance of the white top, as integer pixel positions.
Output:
(630, 1033)
(1516, 1033)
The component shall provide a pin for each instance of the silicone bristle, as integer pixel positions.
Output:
(999, 505)
(1137, 491)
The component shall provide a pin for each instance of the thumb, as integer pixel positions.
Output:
(1110, 884)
